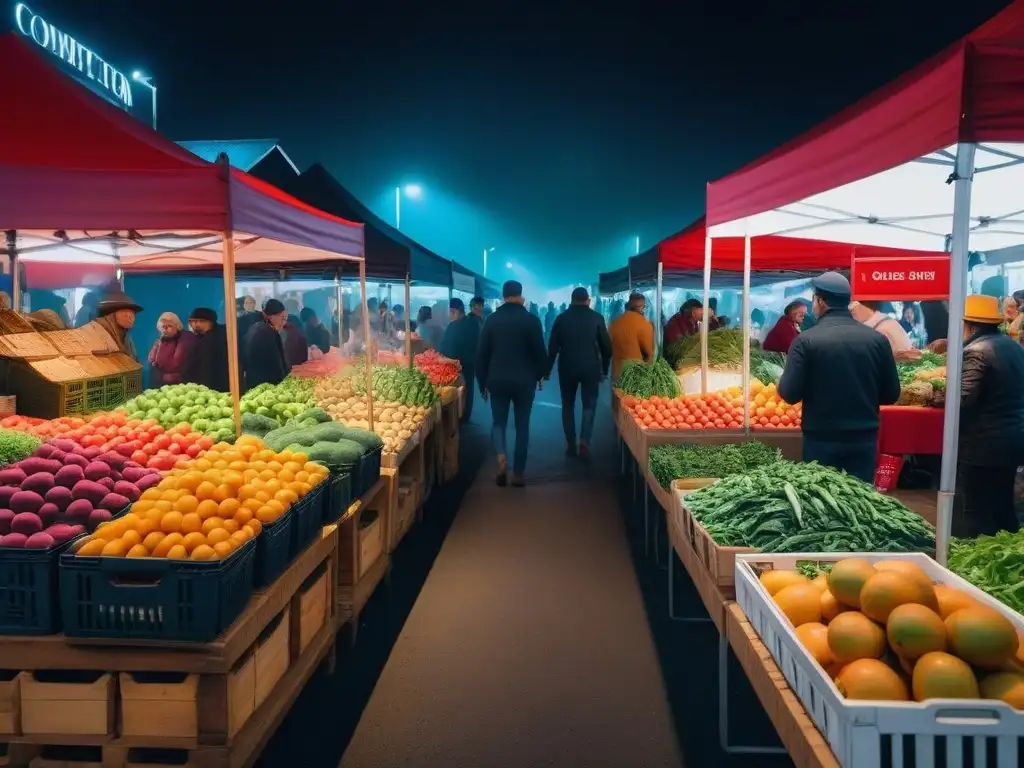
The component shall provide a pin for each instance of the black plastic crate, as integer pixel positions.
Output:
(308, 517)
(339, 496)
(150, 598)
(367, 472)
(273, 549)
(30, 588)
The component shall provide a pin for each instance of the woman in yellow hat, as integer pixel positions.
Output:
(991, 423)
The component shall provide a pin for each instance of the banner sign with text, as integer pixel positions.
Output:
(923, 278)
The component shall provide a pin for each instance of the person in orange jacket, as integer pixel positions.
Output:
(632, 335)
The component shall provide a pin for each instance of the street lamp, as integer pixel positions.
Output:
(486, 251)
(508, 265)
(147, 80)
(638, 245)
(413, 192)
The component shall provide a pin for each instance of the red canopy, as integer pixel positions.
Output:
(685, 251)
(972, 91)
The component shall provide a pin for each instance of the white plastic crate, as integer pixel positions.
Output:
(941, 732)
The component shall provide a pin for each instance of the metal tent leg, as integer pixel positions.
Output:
(647, 520)
(723, 708)
(672, 593)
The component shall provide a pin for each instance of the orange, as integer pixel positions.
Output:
(284, 456)
(203, 552)
(266, 515)
(248, 440)
(300, 458)
(186, 504)
(286, 498)
(212, 524)
(252, 504)
(138, 551)
(92, 547)
(239, 465)
(250, 474)
(191, 523)
(240, 537)
(246, 492)
(267, 474)
(285, 476)
(131, 538)
(268, 455)
(255, 526)
(230, 525)
(140, 507)
(150, 494)
(193, 540)
(222, 549)
(152, 540)
(228, 508)
(146, 526)
(171, 522)
(205, 490)
(273, 486)
(204, 463)
(217, 535)
(242, 516)
(189, 481)
(177, 552)
(234, 479)
(220, 464)
(131, 521)
(208, 508)
(262, 496)
(276, 505)
(114, 548)
(168, 495)
(302, 476)
(168, 541)
(312, 466)
(222, 492)
(275, 465)
(248, 451)
(293, 466)
(259, 466)
(163, 505)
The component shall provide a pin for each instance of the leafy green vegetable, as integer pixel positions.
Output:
(671, 462)
(908, 369)
(789, 507)
(994, 564)
(725, 349)
(398, 384)
(645, 380)
(15, 446)
(766, 367)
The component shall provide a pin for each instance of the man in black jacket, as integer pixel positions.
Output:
(842, 371)
(207, 363)
(991, 441)
(511, 362)
(264, 350)
(580, 342)
(316, 333)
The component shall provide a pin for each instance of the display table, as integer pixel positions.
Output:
(910, 429)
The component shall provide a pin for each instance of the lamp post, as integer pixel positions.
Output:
(637, 245)
(147, 81)
(486, 251)
(413, 192)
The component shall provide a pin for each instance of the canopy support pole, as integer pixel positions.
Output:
(658, 330)
(231, 324)
(960, 241)
(704, 317)
(745, 325)
(12, 254)
(408, 326)
(368, 342)
(337, 301)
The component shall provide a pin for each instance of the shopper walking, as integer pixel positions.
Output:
(169, 355)
(580, 343)
(842, 371)
(510, 365)
(991, 423)
(632, 335)
(208, 360)
(460, 342)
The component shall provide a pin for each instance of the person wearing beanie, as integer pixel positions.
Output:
(460, 341)
(264, 348)
(580, 344)
(316, 333)
(170, 353)
(511, 364)
(991, 423)
(116, 317)
(208, 362)
(842, 371)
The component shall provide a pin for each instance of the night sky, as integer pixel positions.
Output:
(553, 131)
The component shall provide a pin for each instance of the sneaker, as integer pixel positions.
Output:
(502, 477)
(584, 450)
(518, 481)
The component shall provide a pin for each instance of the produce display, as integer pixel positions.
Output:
(796, 507)
(65, 489)
(328, 365)
(886, 632)
(210, 507)
(43, 428)
(994, 564)
(716, 410)
(672, 462)
(725, 350)
(144, 442)
(329, 442)
(281, 402)
(646, 380)
(442, 371)
(399, 385)
(15, 446)
(203, 409)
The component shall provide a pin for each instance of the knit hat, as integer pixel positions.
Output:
(273, 307)
(203, 313)
(115, 299)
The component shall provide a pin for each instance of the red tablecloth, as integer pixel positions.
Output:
(910, 429)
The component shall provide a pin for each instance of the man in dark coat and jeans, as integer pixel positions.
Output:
(460, 341)
(511, 363)
(842, 371)
(580, 342)
(208, 363)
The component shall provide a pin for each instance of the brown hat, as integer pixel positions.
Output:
(115, 299)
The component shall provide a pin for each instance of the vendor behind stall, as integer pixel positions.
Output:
(870, 314)
(841, 371)
(169, 355)
(264, 348)
(991, 423)
(116, 316)
(207, 363)
(782, 335)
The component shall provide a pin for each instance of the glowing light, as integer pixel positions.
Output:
(413, 191)
(508, 265)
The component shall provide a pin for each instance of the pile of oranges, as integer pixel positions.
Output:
(208, 507)
(716, 410)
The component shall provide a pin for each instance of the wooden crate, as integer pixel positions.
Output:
(313, 606)
(372, 538)
(10, 704)
(719, 562)
(68, 708)
(215, 705)
(354, 584)
(404, 513)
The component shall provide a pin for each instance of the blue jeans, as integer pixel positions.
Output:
(520, 399)
(588, 387)
(857, 457)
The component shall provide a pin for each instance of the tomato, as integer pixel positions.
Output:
(175, 449)
(162, 442)
(193, 450)
(206, 442)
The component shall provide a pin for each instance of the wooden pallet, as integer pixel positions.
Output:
(212, 705)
